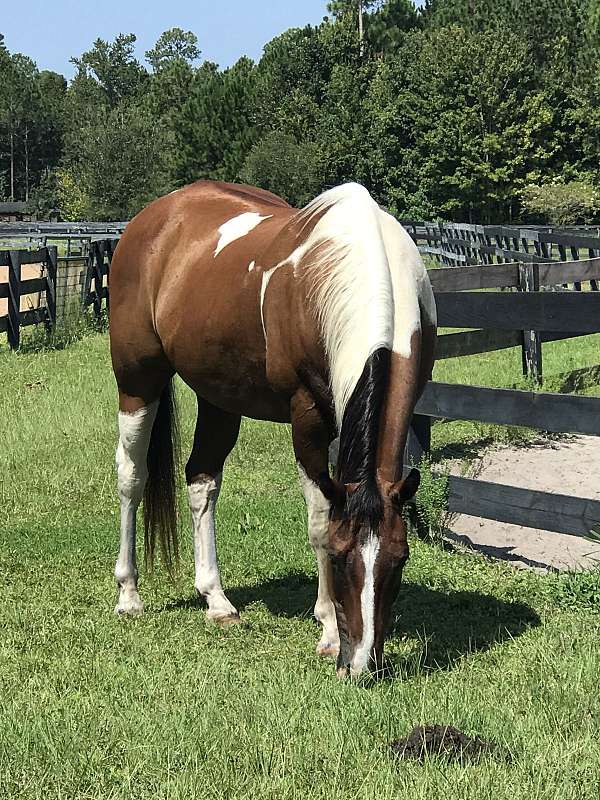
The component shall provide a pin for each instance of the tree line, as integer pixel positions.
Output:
(470, 110)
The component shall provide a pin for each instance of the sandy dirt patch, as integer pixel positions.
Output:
(569, 466)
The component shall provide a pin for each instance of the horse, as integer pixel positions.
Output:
(322, 317)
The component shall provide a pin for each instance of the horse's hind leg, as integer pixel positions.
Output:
(135, 429)
(141, 392)
(216, 434)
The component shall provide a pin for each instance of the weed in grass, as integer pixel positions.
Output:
(74, 325)
(429, 511)
(578, 590)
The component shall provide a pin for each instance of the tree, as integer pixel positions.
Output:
(113, 67)
(172, 46)
(119, 162)
(379, 22)
(216, 126)
(459, 125)
(290, 169)
(570, 203)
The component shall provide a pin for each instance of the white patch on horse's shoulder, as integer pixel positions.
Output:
(266, 277)
(251, 266)
(238, 226)
(360, 659)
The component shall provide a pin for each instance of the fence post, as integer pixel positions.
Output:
(529, 281)
(14, 299)
(98, 262)
(87, 283)
(51, 272)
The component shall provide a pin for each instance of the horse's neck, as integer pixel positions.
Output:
(397, 412)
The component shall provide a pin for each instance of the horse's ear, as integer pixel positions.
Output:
(406, 489)
(333, 490)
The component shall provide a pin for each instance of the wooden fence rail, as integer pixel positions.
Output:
(16, 287)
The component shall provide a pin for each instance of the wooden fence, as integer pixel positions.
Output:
(18, 289)
(503, 319)
(460, 244)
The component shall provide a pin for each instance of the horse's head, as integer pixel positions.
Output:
(367, 550)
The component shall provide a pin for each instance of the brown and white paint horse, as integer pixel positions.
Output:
(322, 317)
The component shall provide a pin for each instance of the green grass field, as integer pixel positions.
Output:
(168, 706)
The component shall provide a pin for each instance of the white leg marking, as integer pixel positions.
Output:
(251, 266)
(363, 651)
(236, 227)
(318, 523)
(132, 472)
(203, 496)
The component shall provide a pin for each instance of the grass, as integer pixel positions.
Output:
(168, 706)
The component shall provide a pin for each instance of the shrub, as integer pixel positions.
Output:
(562, 203)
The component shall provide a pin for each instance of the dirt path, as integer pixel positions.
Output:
(570, 466)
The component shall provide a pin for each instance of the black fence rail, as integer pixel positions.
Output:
(505, 319)
(16, 287)
(462, 244)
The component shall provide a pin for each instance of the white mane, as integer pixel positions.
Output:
(363, 302)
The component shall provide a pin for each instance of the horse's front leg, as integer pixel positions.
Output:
(203, 494)
(311, 441)
(317, 507)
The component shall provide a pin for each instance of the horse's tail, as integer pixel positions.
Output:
(160, 495)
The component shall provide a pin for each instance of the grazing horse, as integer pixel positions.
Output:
(323, 317)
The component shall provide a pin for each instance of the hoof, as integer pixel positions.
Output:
(328, 649)
(133, 608)
(342, 673)
(225, 620)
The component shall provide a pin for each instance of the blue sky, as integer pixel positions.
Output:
(51, 31)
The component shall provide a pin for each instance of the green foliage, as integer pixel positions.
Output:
(216, 128)
(578, 590)
(174, 45)
(431, 503)
(562, 203)
(450, 111)
(279, 163)
(113, 66)
(118, 158)
(76, 324)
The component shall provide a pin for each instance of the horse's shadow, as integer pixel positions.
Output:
(444, 626)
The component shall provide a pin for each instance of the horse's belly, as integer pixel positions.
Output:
(236, 385)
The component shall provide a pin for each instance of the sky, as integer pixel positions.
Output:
(52, 31)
